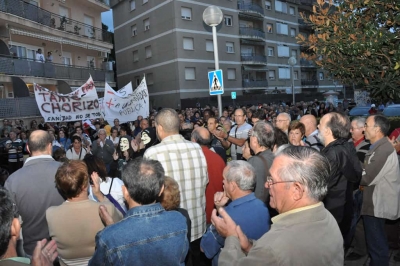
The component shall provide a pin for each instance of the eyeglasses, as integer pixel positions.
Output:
(270, 182)
(281, 120)
(238, 115)
(354, 128)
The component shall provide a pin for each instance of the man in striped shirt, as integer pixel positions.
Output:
(185, 162)
(14, 147)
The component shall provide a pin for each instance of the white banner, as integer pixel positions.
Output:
(80, 104)
(126, 105)
(101, 107)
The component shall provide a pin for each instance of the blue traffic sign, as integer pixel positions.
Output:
(233, 95)
(216, 82)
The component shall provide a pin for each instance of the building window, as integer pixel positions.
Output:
(280, 6)
(268, 5)
(137, 80)
(230, 47)
(209, 46)
(134, 30)
(321, 75)
(149, 79)
(63, 11)
(231, 73)
(270, 28)
(296, 74)
(270, 51)
(148, 51)
(188, 44)
(281, 28)
(190, 73)
(135, 56)
(293, 32)
(283, 51)
(284, 73)
(294, 53)
(292, 11)
(145, 1)
(186, 13)
(146, 24)
(133, 5)
(271, 74)
(228, 20)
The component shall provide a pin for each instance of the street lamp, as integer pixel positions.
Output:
(292, 61)
(213, 16)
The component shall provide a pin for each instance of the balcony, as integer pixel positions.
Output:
(251, 33)
(253, 59)
(254, 83)
(251, 8)
(19, 107)
(25, 67)
(304, 26)
(31, 12)
(307, 2)
(307, 63)
(309, 82)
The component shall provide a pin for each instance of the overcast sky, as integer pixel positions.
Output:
(106, 18)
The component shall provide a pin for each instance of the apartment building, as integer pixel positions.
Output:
(71, 30)
(169, 43)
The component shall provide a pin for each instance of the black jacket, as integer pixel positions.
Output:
(345, 175)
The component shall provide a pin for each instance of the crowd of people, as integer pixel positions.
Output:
(272, 184)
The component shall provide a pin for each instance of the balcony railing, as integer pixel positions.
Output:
(306, 63)
(254, 83)
(105, 2)
(250, 7)
(252, 33)
(254, 58)
(309, 82)
(307, 2)
(31, 12)
(26, 67)
(19, 107)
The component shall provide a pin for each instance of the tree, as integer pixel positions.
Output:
(358, 42)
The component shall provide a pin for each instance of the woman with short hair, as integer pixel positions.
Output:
(75, 223)
(296, 133)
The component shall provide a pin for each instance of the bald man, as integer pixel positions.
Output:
(32, 188)
(215, 167)
(312, 140)
(283, 121)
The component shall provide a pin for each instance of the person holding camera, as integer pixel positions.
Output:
(14, 147)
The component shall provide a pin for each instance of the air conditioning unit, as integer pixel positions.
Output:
(102, 54)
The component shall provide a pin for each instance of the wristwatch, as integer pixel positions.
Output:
(226, 139)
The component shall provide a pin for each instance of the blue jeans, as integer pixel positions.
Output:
(375, 236)
(357, 203)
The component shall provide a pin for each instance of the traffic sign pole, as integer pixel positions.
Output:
(216, 59)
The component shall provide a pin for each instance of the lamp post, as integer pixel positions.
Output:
(292, 61)
(213, 16)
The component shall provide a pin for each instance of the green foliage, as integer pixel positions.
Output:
(357, 42)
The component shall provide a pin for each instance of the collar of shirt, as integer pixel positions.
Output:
(242, 200)
(173, 137)
(315, 132)
(145, 210)
(38, 157)
(280, 216)
(358, 141)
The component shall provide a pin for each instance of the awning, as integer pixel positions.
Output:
(57, 40)
(254, 68)
(251, 15)
(261, 43)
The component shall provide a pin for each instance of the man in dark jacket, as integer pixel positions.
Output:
(346, 170)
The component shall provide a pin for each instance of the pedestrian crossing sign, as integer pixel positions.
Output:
(216, 82)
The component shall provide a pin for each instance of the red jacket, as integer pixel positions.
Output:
(215, 167)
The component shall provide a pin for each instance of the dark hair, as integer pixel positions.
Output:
(143, 178)
(259, 114)
(75, 138)
(3, 176)
(339, 124)
(95, 164)
(7, 215)
(199, 139)
(58, 154)
(383, 123)
(71, 178)
(280, 137)
(39, 142)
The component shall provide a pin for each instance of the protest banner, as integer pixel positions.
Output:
(101, 107)
(125, 104)
(80, 104)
